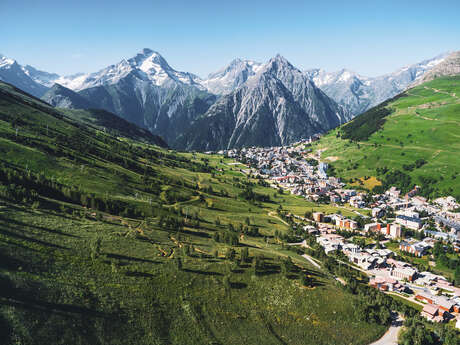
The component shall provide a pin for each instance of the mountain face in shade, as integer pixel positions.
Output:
(62, 97)
(276, 106)
(358, 93)
(166, 111)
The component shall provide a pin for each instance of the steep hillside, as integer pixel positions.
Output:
(113, 124)
(411, 139)
(165, 111)
(96, 118)
(62, 97)
(106, 240)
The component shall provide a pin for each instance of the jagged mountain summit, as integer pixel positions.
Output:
(276, 106)
(19, 76)
(231, 77)
(359, 93)
(147, 65)
(144, 90)
(450, 66)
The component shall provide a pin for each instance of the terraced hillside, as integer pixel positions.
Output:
(107, 240)
(411, 139)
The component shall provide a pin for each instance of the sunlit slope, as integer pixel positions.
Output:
(417, 133)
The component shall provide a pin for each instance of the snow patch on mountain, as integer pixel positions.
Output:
(231, 77)
(40, 77)
(5, 62)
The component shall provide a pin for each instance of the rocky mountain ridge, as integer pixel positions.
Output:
(359, 93)
(276, 106)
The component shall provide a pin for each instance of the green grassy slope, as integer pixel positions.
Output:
(96, 118)
(423, 124)
(106, 121)
(105, 240)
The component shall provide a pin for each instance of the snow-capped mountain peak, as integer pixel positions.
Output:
(230, 77)
(147, 65)
(5, 62)
(345, 75)
(13, 73)
(278, 62)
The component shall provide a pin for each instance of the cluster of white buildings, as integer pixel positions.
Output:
(291, 168)
(294, 169)
(390, 275)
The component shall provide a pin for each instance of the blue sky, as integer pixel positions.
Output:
(370, 37)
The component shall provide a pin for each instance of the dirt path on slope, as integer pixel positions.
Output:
(391, 336)
(273, 214)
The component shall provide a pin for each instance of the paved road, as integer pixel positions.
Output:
(391, 336)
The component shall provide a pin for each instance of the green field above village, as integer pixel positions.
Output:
(413, 139)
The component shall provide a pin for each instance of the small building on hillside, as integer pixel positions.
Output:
(425, 297)
(385, 284)
(418, 249)
(346, 224)
(372, 227)
(444, 303)
(393, 192)
(433, 313)
(350, 248)
(318, 217)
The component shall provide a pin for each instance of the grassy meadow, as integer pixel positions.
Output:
(424, 124)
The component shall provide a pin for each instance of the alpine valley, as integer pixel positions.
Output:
(261, 205)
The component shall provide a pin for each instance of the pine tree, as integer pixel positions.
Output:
(457, 276)
(178, 262)
(244, 255)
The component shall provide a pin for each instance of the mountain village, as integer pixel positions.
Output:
(407, 223)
